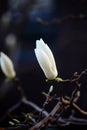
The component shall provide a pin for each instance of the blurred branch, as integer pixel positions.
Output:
(57, 21)
(72, 120)
(33, 105)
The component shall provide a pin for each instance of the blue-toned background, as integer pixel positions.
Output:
(19, 30)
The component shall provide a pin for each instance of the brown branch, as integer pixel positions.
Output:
(24, 99)
(71, 120)
(69, 80)
(62, 105)
(60, 20)
(79, 109)
(56, 109)
(67, 102)
(48, 118)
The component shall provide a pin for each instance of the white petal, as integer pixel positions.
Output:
(44, 63)
(7, 66)
(42, 46)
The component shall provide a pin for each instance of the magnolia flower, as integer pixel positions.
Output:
(7, 66)
(46, 59)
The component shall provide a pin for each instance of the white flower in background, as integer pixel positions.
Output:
(7, 66)
(10, 41)
(46, 59)
(6, 18)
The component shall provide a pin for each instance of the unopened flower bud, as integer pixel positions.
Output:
(7, 66)
(46, 59)
(51, 89)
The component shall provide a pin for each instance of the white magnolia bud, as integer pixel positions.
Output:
(51, 89)
(7, 66)
(46, 59)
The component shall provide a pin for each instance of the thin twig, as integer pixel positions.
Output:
(14, 107)
(24, 99)
(57, 21)
(76, 79)
(34, 106)
(67, 102)
(79, 109)
(72, 120)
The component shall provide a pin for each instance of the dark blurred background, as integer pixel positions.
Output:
(21, 26)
